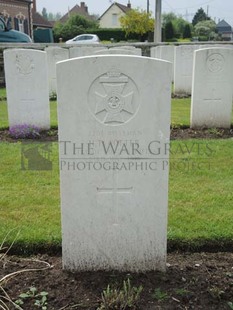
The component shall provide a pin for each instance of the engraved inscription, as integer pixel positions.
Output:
(214, 98)
(24, 64)
(113, 98)
(215, 63)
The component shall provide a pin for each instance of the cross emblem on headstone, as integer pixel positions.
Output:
(115, 191)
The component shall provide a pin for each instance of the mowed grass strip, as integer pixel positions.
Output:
(200, 194)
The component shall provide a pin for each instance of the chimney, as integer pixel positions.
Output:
(129, 5)
(84, 7)
(34, 6)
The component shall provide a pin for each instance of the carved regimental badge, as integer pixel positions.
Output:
(215, 63)
(113, 98)
(24, 64)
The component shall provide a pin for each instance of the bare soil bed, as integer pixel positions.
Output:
(176, 134)
(192, 281)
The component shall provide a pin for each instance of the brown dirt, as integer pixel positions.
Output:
(176, 134)
(192, 281)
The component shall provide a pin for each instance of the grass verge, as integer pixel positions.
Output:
(200, 197)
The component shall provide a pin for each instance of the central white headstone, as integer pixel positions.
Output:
(114, 119)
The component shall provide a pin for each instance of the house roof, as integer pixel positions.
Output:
(80, 10)
(123, 8)
(224, 26)
(39, 21)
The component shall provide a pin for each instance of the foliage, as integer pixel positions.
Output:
(127, 297)
(169, 31)
(74, 26)
(54, 17)
(177, 21)
(159, 295)
(106, 34)
(168, 17)
(200, 16)
(205, 28)
(187, 31)
(137, 21)
(44, 13)
(39, 299)
(24, 131)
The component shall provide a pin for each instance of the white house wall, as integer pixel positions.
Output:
(106, 21)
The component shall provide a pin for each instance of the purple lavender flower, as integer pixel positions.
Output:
(24, 131)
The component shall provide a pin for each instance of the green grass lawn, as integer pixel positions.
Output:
(200, 195)
(200, 188)
(180, 112)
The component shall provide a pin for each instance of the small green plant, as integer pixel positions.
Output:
(215, 131)
(230, 304)
(39, 299)
(121, 299)
(181, 291)
(53, 96)
(216, 292)
(159, 295)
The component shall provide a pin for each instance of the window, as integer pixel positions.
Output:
(114, 19)
(21, 24)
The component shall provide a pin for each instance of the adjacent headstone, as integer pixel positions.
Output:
(183, 68)
(121, 50)
(113, 132)
(211, 104)
(117, 51)
(54, 54)
(165, 52)
(27, 87)
(80, 51)
(155, 52)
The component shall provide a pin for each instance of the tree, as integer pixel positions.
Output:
(205, 28)
(168, 17)
(177, 21)
(200, 16)
(44, 13)
(137, 21)
(169, 31)
(187, 34)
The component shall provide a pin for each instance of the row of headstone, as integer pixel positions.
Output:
(56, 54)
(114, 120)
(24, 66)
(182, 59)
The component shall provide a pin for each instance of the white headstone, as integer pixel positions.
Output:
(183, 68)
(113, 129)
(165, 52)
(27, 87)
(117, 51)
(54, 54)
(80, 51)
(211, 104)
(122, 50)
(155, 52)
